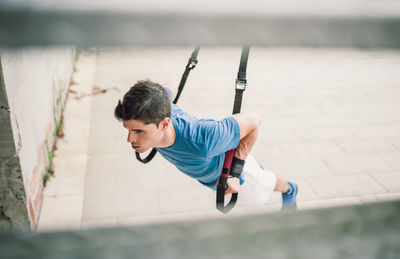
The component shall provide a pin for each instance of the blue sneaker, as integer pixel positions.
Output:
(289, 198)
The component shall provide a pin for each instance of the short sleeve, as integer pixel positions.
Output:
(171, 94)
(220, 136)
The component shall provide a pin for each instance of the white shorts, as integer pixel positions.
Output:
(258, 186)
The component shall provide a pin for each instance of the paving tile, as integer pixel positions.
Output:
(290, 121)
(377, 118)
(351, 98)
(62, 185)
(158, 174)
(389, 180)
(387, 97)
(334, 120)
(354, 164)
(111, 162)
(302, 168)
(100, 195)
(169, 218)
(392, 159)
(345, 186)
(66, 164)
(185, 199)
(375, 131)
(104, 223)
(114, 145)
(113, 130)
(77, 146)
(137, 202)
(300, 98)
(328, 203)
(395, 142)
(264, 152)
(73, 132)
(77, 111)
(318, 149)
(61, 213)
(305, 192)
(138, 177)
(344, 109)
(380, 197)
(372, 162)
(324, 134)
(276, 198)
(100, 205)
(373, 146)
(298, 110)
(100, 182)
(104, 102)
(277, 135)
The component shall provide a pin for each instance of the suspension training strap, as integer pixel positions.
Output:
(241, 80)
(241, 83)
(190, 65)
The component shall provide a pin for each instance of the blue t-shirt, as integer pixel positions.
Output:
(200, 145)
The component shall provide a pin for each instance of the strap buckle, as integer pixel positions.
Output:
(192, 63)
(240, 84)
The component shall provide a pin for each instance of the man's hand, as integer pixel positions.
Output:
(233, 185)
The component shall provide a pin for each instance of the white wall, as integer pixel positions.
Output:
(36, 81)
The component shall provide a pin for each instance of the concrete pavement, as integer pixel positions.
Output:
(331, 123)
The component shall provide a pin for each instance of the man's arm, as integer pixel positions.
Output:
(249, 124)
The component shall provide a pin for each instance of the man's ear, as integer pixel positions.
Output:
(165, 122)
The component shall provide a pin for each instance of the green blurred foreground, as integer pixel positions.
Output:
(366, 231)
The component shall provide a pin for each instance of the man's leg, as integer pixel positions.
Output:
(289, 193)
(281, 185)
(260, 183)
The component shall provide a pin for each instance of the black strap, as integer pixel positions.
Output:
(190, 65)
(241, 80)
(221, 197)
(148, 158)
(240, 87)
(222, 185)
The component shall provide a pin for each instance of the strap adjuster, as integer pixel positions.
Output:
(192, 63)
(240, 84)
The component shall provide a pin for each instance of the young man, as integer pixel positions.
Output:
(197, 146)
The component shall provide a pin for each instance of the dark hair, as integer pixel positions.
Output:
(146, 101)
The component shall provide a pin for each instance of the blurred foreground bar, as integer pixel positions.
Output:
(310, 23)
(365, 231)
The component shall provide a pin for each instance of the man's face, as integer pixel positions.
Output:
(143, 136)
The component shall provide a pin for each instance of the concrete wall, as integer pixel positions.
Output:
(33, 91)
(366, 231)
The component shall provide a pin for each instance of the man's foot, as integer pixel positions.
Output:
(289, 198)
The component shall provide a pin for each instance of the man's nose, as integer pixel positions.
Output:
(131, 137)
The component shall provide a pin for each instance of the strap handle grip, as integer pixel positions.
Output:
(222, 185)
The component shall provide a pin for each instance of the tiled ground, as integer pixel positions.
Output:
(331, 123)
